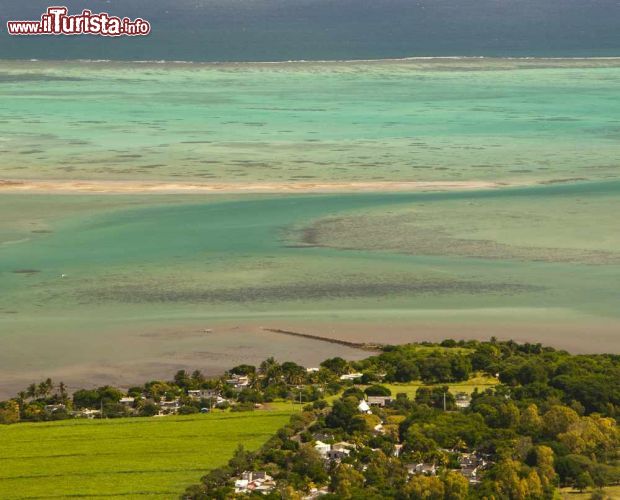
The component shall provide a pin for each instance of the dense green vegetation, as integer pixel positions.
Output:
(154, 457)
(457, 420)
(549, 423)
(243, 388)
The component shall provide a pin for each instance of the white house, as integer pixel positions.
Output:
(238, 381)
(54, 408)
(254, 481)
(336, 451)
(169, 407)
(202, 394)
(363, 407)
(322, 448)
(87, 413)
(241, 485)
(421, 468)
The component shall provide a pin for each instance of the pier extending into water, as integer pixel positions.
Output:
(365, 346)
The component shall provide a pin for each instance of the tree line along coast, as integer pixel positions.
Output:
(458, 419)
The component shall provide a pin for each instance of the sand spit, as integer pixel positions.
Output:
(141, 187)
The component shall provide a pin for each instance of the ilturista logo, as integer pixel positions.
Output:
(57, 21)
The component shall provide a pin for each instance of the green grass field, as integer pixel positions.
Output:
(479, 382)
(571, 494)
(128, 458)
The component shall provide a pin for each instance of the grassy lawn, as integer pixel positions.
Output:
(480, 382)
(129, 458)
(571, 494)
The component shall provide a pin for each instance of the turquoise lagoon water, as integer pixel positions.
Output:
(92, 287)
(506, 120)
(238, 256)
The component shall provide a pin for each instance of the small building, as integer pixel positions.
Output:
(337, 455)
(220, 400)
(238, 381)
(363, 407)
(86, 413)
(54, 408)
(253, 476)
(241, 485)
(169, 407)
(472, 460)
(127, 401)
(251, 481)
(379, 400)
(472, 464)
(351, 376)
(343, 445)
(471, 474)
(334, 452)
(312, 370)
(198, 394)
(462, 400)
(322, 448)
(422, 469)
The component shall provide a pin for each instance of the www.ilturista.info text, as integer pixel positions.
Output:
(57, 21)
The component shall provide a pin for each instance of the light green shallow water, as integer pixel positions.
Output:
(238, 259)
(121, 288)
(433, 120)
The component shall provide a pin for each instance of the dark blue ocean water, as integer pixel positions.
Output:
(276, 30)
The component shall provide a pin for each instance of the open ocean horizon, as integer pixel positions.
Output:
(326, 61)
(324, 30)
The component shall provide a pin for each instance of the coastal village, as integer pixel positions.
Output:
(405, 420)
(471, 464)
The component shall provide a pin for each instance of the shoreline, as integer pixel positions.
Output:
(162, 187)
(184, 344)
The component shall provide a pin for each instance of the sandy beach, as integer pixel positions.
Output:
(139, 187)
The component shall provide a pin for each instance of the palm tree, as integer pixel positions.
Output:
(21, 397)
(253, 380)
(62, 391)
(45, 387)
(197, 379)
(32, 391)
(267, 365)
